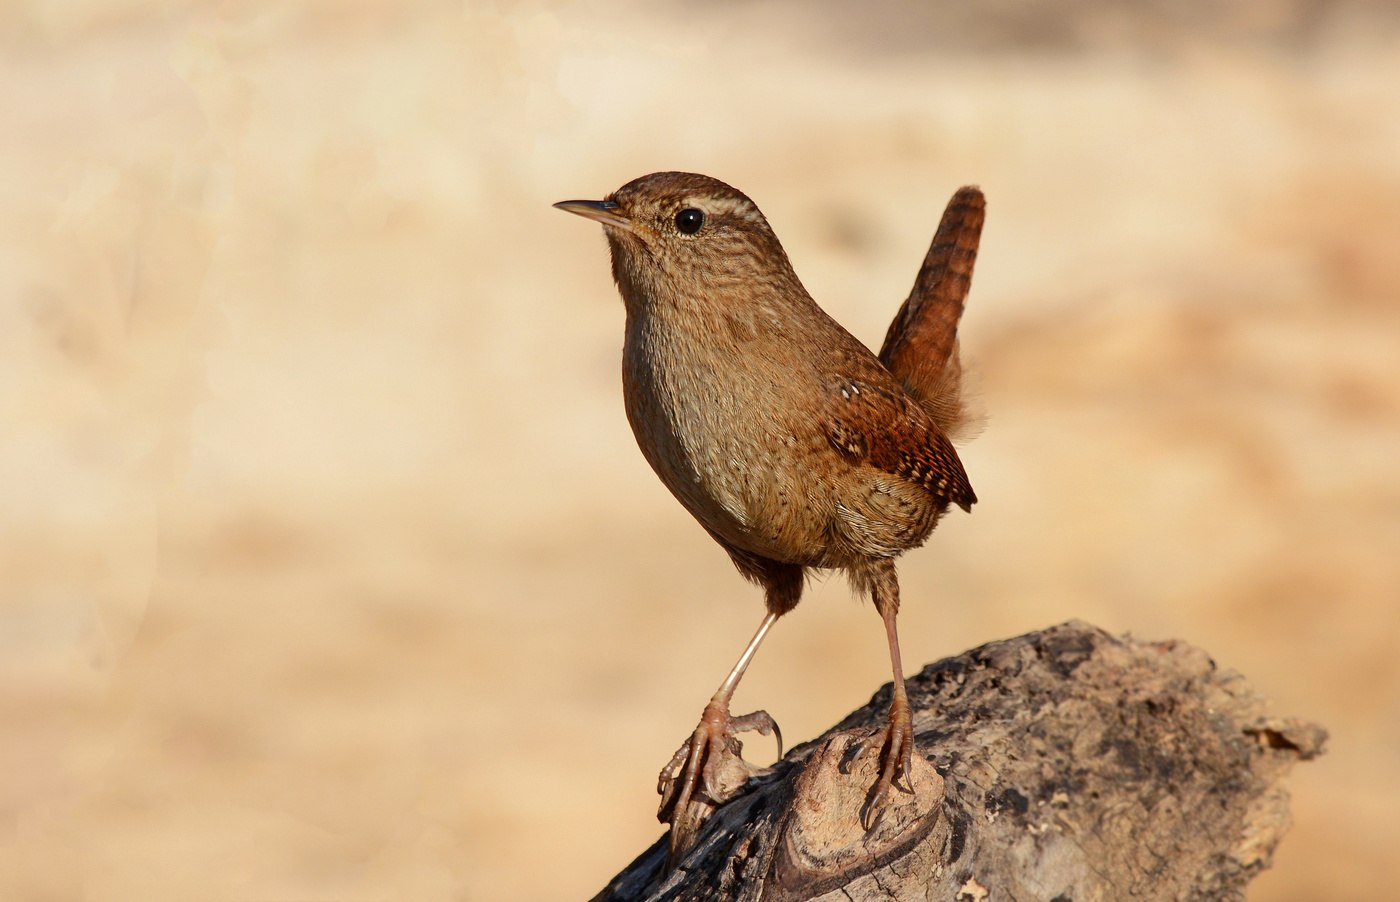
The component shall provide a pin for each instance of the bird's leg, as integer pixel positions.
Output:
(710, 760)
(897, 737)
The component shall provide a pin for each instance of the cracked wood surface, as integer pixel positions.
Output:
(1066, 764)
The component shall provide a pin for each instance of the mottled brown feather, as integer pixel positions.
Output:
(874, 426)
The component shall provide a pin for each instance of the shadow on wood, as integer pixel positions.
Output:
(1066, 764)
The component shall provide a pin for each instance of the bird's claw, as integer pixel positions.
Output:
(707, 770)
(896, 761)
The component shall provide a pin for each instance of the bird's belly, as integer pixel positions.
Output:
(768, 509)
(730, 464)
(744, 495)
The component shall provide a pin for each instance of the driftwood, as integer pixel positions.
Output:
(1065, 764)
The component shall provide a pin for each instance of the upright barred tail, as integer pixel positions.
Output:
(921, 347)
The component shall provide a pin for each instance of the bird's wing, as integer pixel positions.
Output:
(869, 424)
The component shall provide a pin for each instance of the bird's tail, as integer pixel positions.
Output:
(921, 346)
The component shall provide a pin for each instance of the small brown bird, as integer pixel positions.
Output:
(790, 442)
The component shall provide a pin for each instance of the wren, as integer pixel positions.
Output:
(791, 443)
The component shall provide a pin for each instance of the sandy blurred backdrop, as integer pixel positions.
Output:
(328, 566)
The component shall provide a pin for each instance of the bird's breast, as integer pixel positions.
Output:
(718, 434)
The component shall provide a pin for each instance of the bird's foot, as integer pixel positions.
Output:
(896, 761)
(706, 771)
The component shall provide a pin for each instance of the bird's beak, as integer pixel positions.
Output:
(605, 211)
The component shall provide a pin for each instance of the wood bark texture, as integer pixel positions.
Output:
(1066, 764)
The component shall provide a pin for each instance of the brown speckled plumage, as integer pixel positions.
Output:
(789, 441)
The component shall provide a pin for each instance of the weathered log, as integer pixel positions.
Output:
(1066, 764)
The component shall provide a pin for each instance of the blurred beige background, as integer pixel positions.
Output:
(328, 566)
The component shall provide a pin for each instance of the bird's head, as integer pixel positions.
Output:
(686, 235)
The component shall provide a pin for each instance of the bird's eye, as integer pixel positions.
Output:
(689, 221)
